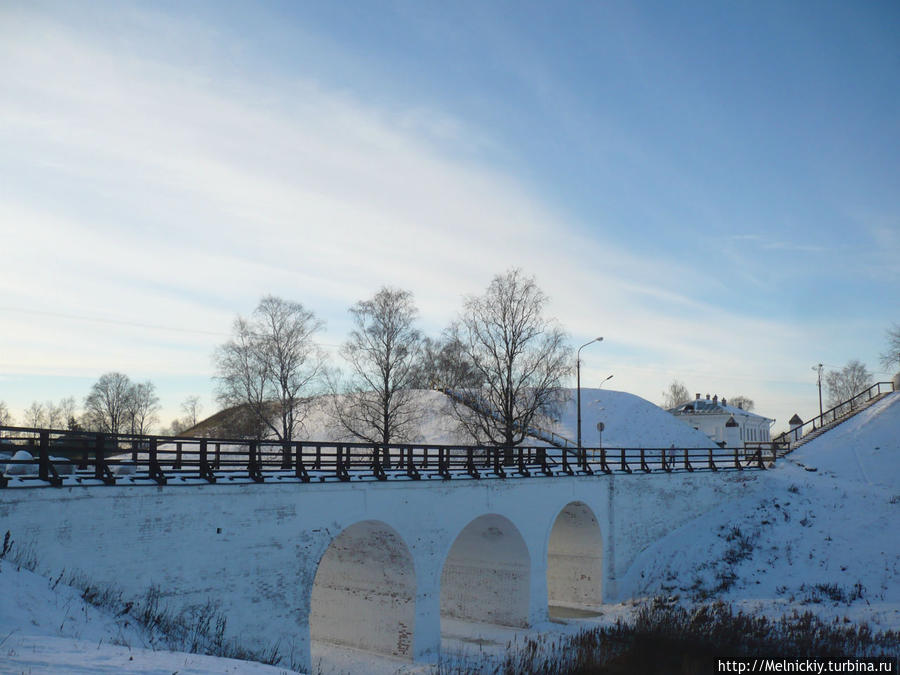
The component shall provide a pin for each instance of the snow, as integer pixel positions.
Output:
(47, 628)
(818, 534)
(629, 422)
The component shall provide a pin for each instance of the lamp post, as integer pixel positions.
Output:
(818, 369)
(578, 381)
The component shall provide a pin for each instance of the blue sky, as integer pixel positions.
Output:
(713, 187)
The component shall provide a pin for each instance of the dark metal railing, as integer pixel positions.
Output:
(837, 413)
(68, 458)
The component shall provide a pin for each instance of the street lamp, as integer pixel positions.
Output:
(818, 369)
(578, 381)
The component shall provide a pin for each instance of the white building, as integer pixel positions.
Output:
(723, 423)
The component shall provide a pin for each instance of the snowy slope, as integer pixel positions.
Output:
(47, 629)
(819, 533)
(629, 422)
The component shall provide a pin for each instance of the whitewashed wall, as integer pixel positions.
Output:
(256, 548)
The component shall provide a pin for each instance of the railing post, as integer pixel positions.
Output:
(300, 469)
(522, 468)
(603, 465)
(44, 454)
(542, 460)
(218, 460)
(46, 470)
(101, 470)
(286, 456)
(177, 465)
(582, 459)
(376, 463)
(565, 462)
(155, 469)
(687, 461)
(205, 471)
(624, 465)
(737, 461)
(470, 463)
(498, 469)
(644, 467)
(253, 468)
(341, 469)
(411, 469)
(444, 463)
(712, 464)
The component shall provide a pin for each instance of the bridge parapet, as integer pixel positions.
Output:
(68, 458)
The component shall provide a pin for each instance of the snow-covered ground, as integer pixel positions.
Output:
(46, 628)
(818, 533)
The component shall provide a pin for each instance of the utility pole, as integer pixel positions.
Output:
(818, 369)
(578, 381)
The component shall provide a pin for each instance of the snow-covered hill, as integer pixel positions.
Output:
(819, 533)
(630, 422)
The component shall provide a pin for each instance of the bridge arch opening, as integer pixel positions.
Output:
(487, 573)
(575, 560)
(364, 592)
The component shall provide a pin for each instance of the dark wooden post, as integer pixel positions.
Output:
(300, 469)
(155, 469)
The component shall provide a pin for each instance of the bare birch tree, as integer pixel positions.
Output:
(521, 357)
(443, 365)
(191, 408)
(845, 383)
(143, 406)
(5, 418)
(35, 415)
(890, 357)
(675, 394)
(272, 365)
(383, 353)
(106, 406)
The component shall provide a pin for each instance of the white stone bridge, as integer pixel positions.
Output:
(373, 554)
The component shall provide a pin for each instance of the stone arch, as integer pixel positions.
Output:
(575, 558)
(364, 592)
(487, 573)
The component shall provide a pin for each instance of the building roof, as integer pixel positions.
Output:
(714, 407)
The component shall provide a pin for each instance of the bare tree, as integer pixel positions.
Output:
(520, 356)
(143, 406)
(191, 408)
(35, 415)
(271, 365)
(106, 406)
(54, 416)
(675, 394)
(383, 353)
(68, 409)
(443, 365)
(890, 357)
(5, 418)
(845, 383)
(742, 402)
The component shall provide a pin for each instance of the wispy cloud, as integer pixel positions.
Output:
(146, 192)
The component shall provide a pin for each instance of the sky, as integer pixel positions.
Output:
(712, 187)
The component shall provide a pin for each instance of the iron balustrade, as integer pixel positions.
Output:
(70, 458)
